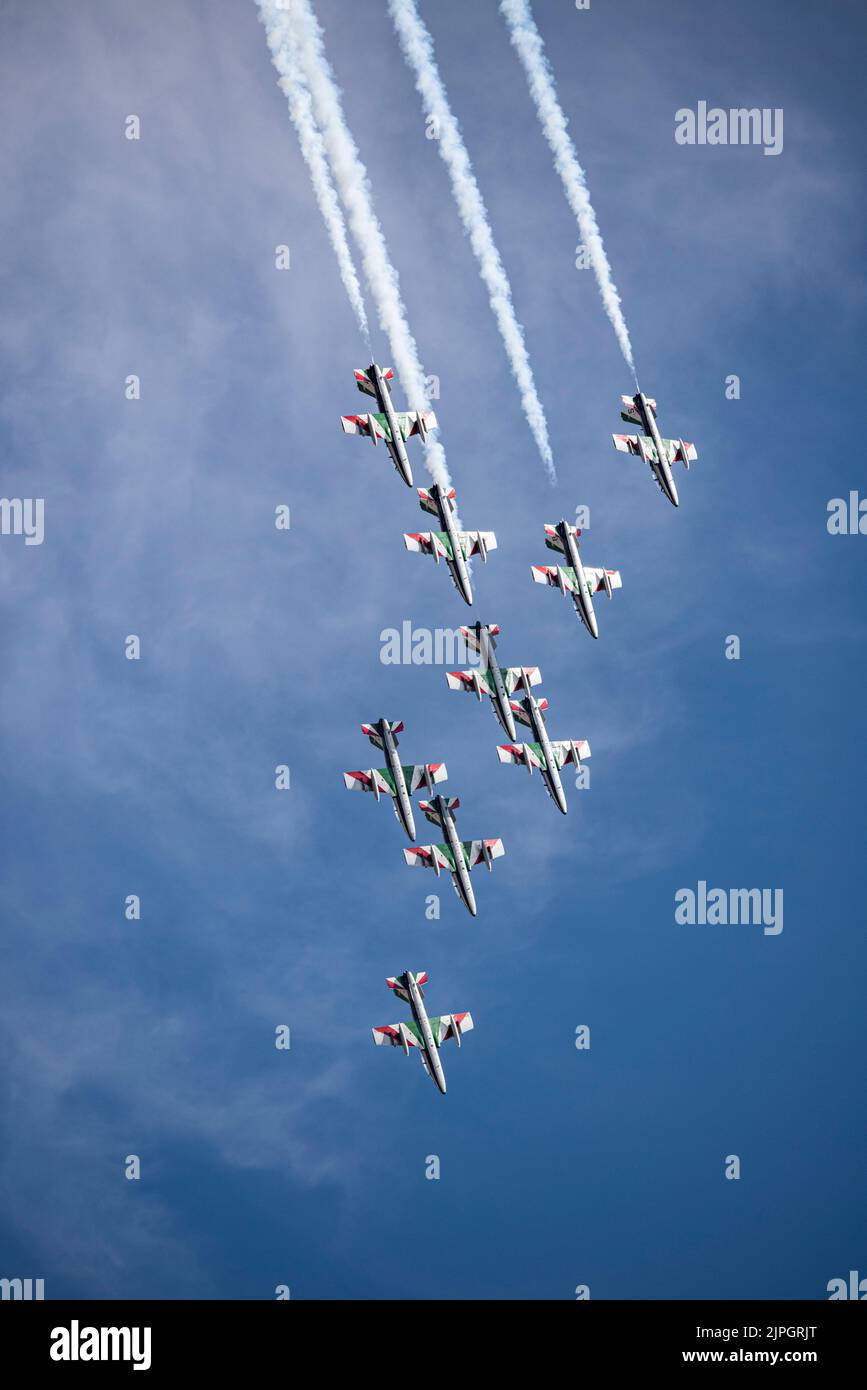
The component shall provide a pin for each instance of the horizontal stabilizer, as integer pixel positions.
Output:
(399, 985)
(426, 499)
(433, 812)
(364, 380)
(630, 411)
(481, 637)
(554, 540)
(521, 712)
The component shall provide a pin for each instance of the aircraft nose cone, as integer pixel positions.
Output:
(561, 801)
(594, 627)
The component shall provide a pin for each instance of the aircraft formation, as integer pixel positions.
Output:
(508, 688)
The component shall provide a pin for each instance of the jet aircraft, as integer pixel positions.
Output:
(498, 682)
(425, 1034)
(458, 857)
(396, 779)
(549, 757)
(581, 581)
(449, 544)
(395, 427)
(659, 453)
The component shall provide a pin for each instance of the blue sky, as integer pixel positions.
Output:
(156, 257)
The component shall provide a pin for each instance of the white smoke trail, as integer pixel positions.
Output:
(417, 45)
(295, 20)
(313, 152)
(528, 42)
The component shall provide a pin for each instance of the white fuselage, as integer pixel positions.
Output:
(457, 565)
(402, 801)
(583, 599)
(396, 446)
(661, 467)
(500, 699)
(461, 873)
(420, 1014)
(551, 775)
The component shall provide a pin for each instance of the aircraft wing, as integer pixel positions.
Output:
(570, 751)
(450, 1026)
(482, 852)
(477, 543)
(412, 422)
(373, 425)
(424, 775)
(528, 754)
(679, 451)
(513, 677)
(476, 682)
(558, 576)
(429, 543)
(596, 578)
(436, 857)
(397, 1033)
(632, 444)
(376, 779)
(531, 754)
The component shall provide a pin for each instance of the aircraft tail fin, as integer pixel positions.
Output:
(428, 502)
(482, 638)
(630, 411)
(364, 380)
(399, 984)
(372, 731)
(554, 540)
(433, 812)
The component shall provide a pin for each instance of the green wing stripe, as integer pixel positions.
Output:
(382, 421)
(447, 545)
(537, 749)
(448, 856)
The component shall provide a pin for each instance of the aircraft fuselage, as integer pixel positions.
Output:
(583, 598)
(402, 801)
(550, 773)
(458, 564)
(661, 467)
(435, 1066)
(395, 445)
(502, 707)
(461, 873)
